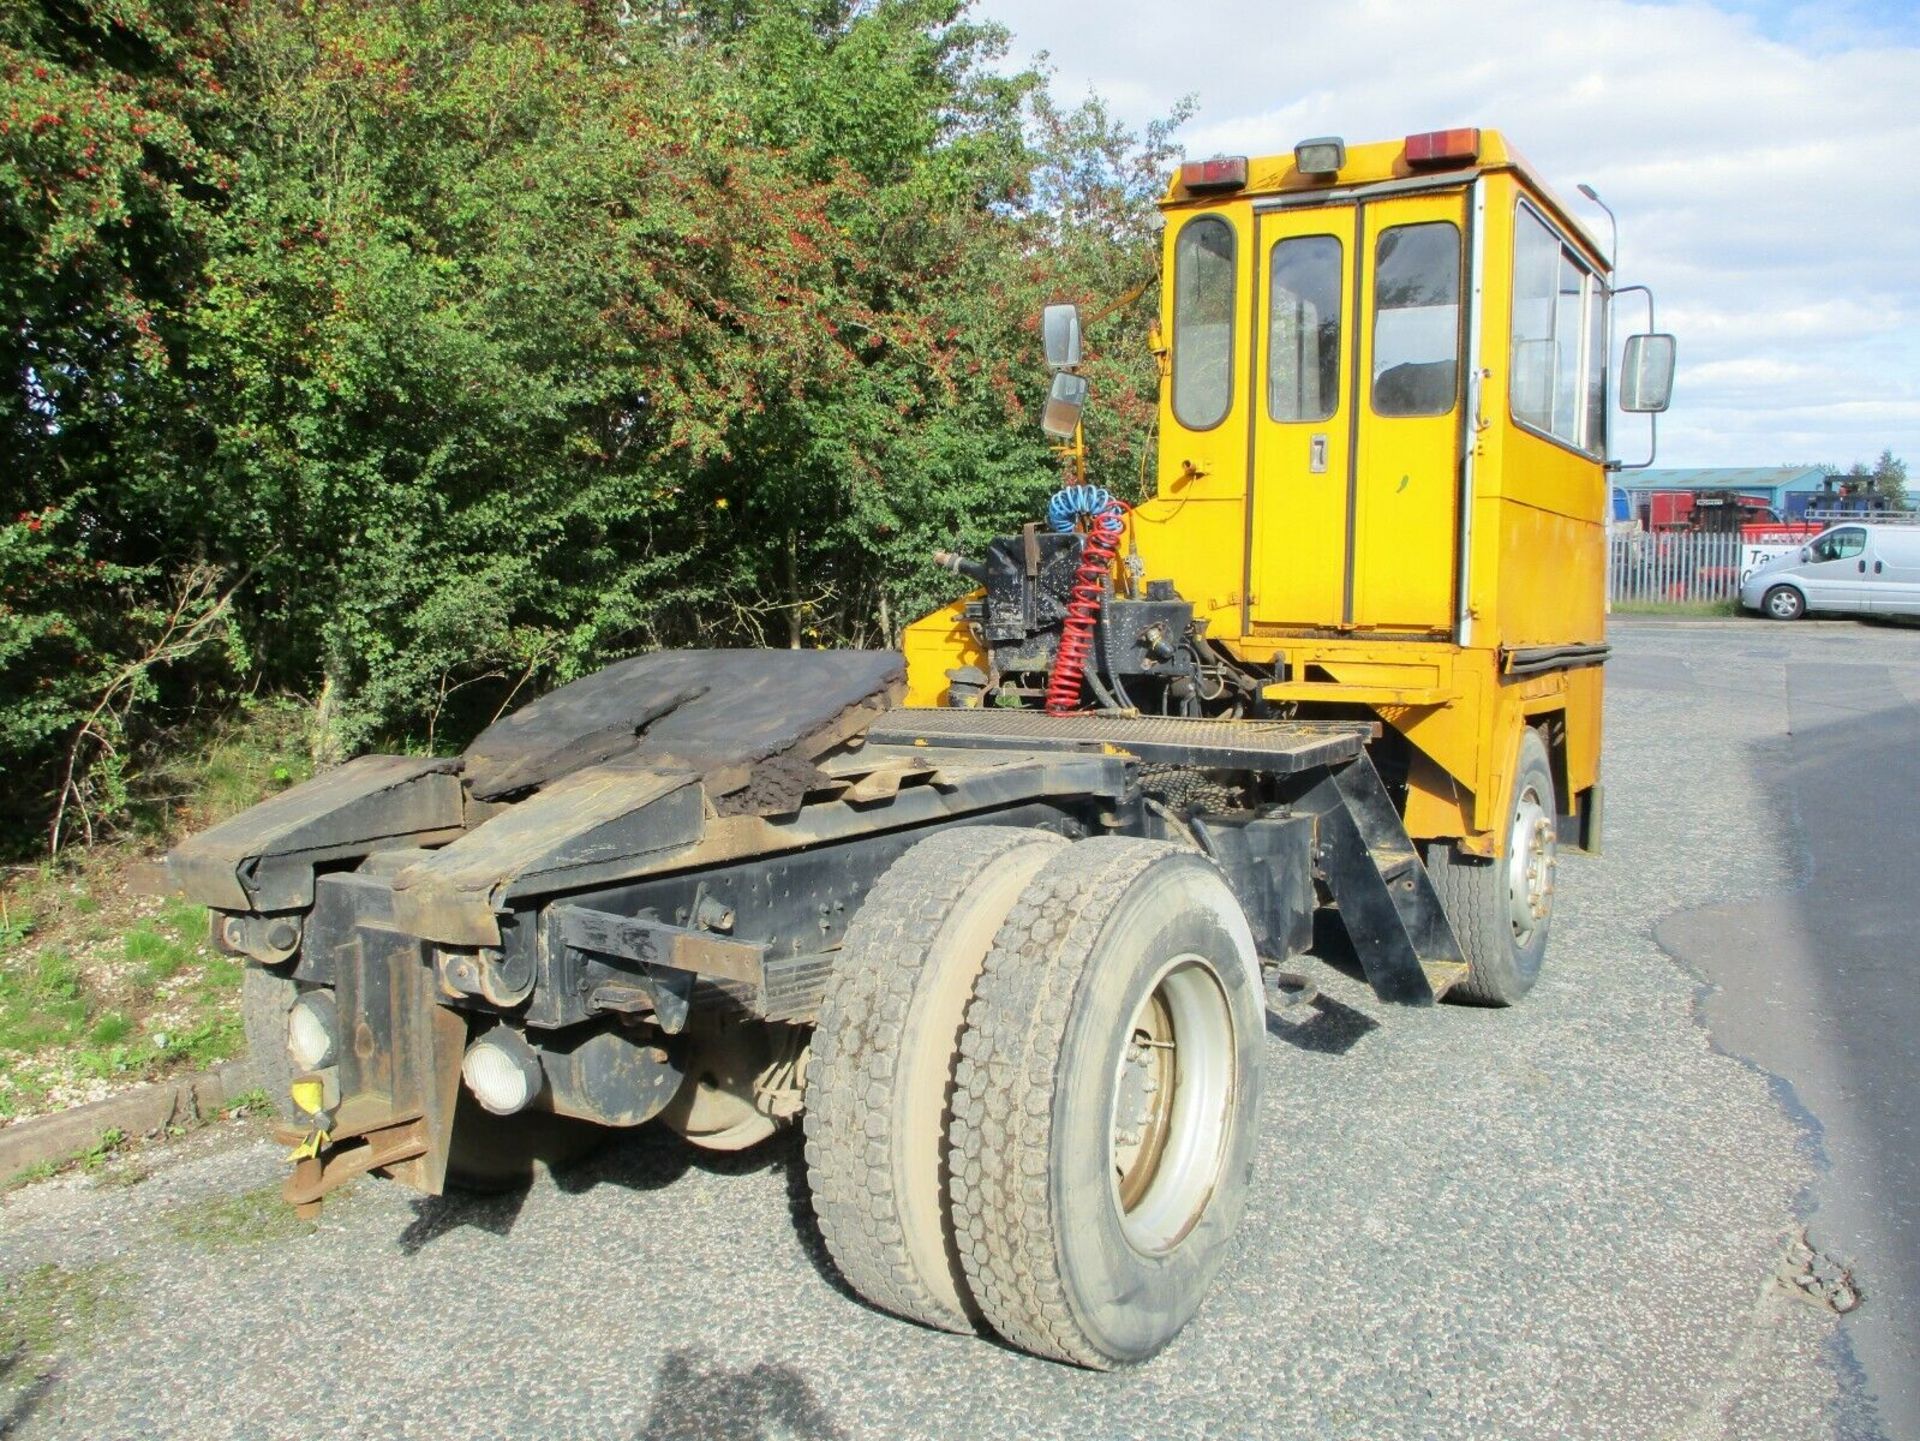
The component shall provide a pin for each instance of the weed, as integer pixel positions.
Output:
(253, 1102)
(122, 1175)
(111, 1140)
(113, 1026)
(15, 926)
(216, 1038)
(265, 749)
(42, 1002)
(27, 1175)
(187, 921)
(255, 1217)
(160, 957)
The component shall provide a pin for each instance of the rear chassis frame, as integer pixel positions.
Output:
(674, 920)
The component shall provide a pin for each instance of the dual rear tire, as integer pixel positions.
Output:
(1033, 1090)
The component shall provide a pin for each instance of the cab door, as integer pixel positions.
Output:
(1354, 477)
(1302, 424)
(1406, 464)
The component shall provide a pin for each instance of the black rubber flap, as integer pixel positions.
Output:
(680, 710)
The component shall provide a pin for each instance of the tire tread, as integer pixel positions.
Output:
(1473, 894)
(1001, 1140)
(856, 1058)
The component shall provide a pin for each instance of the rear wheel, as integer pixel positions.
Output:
(1783, 602)
(881, 1071)
(1103, 1116)
(1502, 909)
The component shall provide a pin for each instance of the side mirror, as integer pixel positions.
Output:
(1646, 374)
(1806, 552)
(1064, 403)
(1060, 336)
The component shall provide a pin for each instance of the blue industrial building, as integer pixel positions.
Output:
(1791, 492)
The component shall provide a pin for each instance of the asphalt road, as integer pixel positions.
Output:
(1815, 983)
(1568, 1219)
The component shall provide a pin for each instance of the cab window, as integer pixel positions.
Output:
(1303, 329)
(1558, 376)
(1416, 319)
(1203, 306)
(1840, 544)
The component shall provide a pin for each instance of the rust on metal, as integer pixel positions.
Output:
(647, 941)
(600, 824)
(403, 1139)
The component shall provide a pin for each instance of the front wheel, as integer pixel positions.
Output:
(1783, 602)
(1502, 909)
(1104, 1106)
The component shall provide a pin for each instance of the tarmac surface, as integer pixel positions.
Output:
(1575, 1218)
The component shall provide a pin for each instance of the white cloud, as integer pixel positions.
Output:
(1769, 189)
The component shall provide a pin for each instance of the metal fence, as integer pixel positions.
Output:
(1678, 566)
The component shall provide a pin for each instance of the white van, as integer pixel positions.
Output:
(1849, 569)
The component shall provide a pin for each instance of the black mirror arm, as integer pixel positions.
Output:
(1614, 467)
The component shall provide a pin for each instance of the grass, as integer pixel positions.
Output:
(252, 1218)
(1698, 609)
(253, 1102)
(90, 1159)
(47, 1311)
(100, 987)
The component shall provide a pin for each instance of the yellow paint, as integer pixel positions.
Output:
(935, 644)
(1326, 551)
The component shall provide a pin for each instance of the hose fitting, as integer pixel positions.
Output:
(1106, 522)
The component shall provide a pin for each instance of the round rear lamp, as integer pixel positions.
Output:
(502, 1071)
(313, 1031)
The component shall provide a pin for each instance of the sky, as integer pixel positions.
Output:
(1763, 159)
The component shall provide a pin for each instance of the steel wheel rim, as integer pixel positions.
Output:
(1781, 604)
(1172, 1099)
(1531, 858)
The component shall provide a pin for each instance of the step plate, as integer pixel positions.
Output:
(1275, 747)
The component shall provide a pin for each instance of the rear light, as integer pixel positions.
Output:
(502, 1071)
(1444, 147)
(313, 1031)
(1223, 172)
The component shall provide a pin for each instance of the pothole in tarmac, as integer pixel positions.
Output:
(1811, 1275)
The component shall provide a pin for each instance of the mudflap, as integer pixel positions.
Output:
(399, 1075)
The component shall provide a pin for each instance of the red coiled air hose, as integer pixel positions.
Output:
(1106, 523)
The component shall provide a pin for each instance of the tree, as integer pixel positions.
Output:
(488, 342)
(1890, 478)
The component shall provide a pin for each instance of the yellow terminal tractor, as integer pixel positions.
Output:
(999, 923)
(1382, 494)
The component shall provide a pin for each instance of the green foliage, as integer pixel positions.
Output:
(421, 356)
(137, 1004)
(1890, 477)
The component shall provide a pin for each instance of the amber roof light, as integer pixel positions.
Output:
(1436, 148)
(1223, 172)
